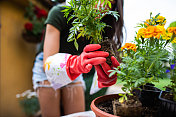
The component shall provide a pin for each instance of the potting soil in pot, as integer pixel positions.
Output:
(107, 107)
(129, 108)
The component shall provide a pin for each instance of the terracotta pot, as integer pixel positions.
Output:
(95, 102)
(117, 111)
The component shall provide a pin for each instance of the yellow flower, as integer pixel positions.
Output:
(171, 30)
(161, 20)
(129, 46)
(147, 22)
(167, 36)
(140, 33)
(150, 22)
(174, 41)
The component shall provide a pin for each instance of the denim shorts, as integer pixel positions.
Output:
(39, 74)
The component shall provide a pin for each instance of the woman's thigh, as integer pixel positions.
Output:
(72, 97)
(49, 100)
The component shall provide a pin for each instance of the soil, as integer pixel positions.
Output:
(149, 87)
(107, 106)
(106, 46)
(130, 108)
(167, 96)
(168, 105)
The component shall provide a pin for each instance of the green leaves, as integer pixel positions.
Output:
(87, 19)
(139, 82)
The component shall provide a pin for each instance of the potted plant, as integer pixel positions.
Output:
(34, 28)
(86, 17)
(152, 39)
(168, 97)
(142, 63)
(28, 100)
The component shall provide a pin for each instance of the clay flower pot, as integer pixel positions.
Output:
(95, 102)
(108, 106)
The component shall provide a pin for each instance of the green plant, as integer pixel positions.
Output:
(28, 100)
(36, 17)
(143, 62)
(87, 16)
(171, 71)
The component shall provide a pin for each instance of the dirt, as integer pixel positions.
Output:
(149, 87)
(167, 96)
(107, 106)
(129, 108)
(106, 46)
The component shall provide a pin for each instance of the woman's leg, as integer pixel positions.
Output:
(73, 98)
(49, 100)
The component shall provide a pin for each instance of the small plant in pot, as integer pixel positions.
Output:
(128, 103)
(87, 22)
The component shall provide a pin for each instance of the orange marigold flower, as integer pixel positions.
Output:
(171, 30)
(158, 31)
(129, 46)
(140, 33)
(149, 32)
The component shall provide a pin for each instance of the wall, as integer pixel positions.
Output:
(17, 58)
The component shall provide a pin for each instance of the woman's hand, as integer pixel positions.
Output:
(103, 75)
(83, 63)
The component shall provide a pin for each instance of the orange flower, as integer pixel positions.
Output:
(147, 22)
(158, 31)
(171, 30)
(149, 32)
(129, 46)
(140, 33)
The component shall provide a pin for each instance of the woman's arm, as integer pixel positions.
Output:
(52, 41)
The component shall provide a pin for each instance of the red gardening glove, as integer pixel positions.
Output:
(103, 75)
(83, 63)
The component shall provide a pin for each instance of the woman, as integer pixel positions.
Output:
(63, 67)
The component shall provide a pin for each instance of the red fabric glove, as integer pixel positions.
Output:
(83, 63)
(103, 75)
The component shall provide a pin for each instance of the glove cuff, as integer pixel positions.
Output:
(101, 85)
(72, 68)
